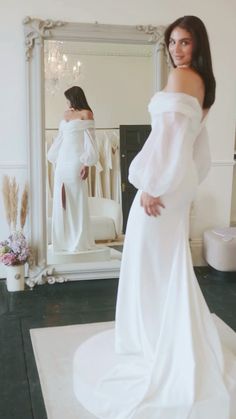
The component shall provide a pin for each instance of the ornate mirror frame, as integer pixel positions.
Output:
(36, 31)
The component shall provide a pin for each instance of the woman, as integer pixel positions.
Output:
(166, 358)
(72, 152)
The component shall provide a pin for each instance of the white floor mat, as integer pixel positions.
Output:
(54, 348)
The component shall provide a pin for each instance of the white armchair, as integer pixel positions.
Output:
(106, 218)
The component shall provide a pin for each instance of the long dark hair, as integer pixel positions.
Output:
(201, 58)
(77, 98)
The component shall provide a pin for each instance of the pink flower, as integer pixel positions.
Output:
(8, 259)
(15, 249)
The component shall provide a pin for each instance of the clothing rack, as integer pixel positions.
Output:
(107, 128)
(56, 129)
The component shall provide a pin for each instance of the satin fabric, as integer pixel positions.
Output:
(168, 357)
(74, 147)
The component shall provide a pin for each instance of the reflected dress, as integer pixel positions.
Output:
(74, 147)
(168, 357)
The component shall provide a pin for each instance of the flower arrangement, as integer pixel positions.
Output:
(15, 250)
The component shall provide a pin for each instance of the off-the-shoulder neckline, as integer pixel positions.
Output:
(78, 119)
(184, 94)
(189, 96)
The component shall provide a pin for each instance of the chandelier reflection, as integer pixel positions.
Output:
(57, 69)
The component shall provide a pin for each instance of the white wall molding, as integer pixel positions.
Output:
(23, 165)
(12, 165)
(216, 163)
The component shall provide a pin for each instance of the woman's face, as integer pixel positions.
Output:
(181, 47)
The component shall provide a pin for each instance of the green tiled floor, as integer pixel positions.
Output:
(64, 304)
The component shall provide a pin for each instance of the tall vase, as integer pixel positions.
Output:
(15, 277)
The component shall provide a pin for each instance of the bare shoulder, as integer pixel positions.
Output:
(183, 78)
(71, 114)
(86, 114)
(186, 80)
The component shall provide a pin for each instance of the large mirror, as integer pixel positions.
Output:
(119, 68)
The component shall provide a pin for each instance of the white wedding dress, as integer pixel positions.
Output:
(168, 356)
(74, 147)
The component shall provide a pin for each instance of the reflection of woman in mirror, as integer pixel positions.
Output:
(168, 357)
(72, 152)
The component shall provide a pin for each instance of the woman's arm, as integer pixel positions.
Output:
(181, 80)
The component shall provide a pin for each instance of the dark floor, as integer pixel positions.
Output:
(64, 304)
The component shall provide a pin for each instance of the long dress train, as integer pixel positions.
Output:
(168, 356)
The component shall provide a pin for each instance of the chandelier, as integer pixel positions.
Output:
(57, 69)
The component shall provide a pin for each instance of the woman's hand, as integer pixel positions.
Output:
(151, 205)
(84, 172)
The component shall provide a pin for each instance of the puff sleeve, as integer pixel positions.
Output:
(90, 154)
(162, 163)
(52, 154)
(201, 154)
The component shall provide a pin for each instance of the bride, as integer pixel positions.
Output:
(168, 357)
(72, 152)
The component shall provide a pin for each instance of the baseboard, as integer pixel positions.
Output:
(196, 246)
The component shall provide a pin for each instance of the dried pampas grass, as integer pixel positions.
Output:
(10, 191)
(24, 206)
(14, 202)
(6, 187)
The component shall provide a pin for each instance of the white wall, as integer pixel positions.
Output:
(220, 19)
